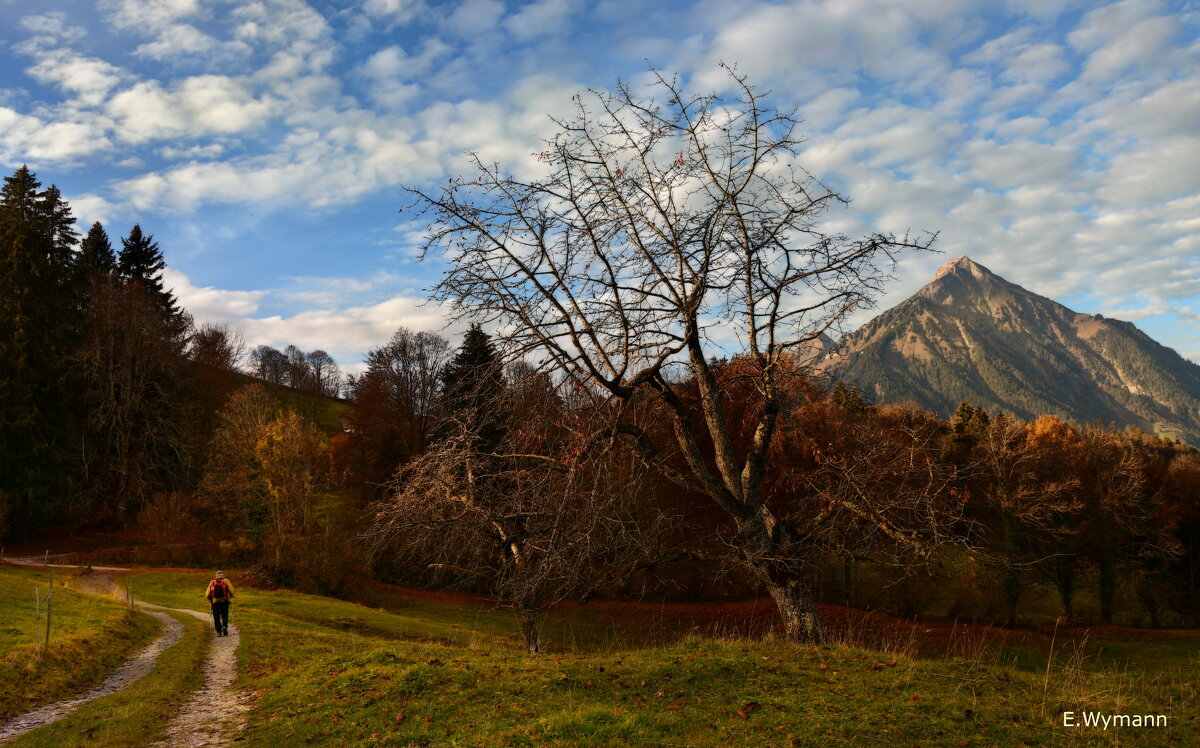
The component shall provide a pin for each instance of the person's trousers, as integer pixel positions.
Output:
(221, 615)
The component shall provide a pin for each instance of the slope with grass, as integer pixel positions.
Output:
(140, 714)
(89, 637)
(429, 671)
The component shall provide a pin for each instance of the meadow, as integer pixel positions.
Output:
(419, 668)
(422, 669)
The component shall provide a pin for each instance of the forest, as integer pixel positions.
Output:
(459, 465)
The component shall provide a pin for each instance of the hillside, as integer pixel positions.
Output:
(971, 335)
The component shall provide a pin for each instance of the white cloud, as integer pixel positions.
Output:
(541, 18)
(473, 18)
(89, 208)
(393, 11)
(28, 138)
(53, 27)
(86, 78)
(209, 304)
(196, 106)
(359, 328)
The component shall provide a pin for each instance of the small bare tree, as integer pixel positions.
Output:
(664, 227)
(541, 515)
(220, 346)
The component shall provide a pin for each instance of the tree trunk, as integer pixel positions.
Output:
(1012, 591)
(1108, 579)
(531, 631)
(797, 610)
(1064, 580)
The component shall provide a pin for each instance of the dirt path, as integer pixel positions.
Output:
(123, 677)
(212, 716)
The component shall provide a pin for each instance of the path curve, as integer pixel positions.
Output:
(212, 715)
(121, 678)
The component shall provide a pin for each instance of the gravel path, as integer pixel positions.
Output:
(123, 677)
(212, 716)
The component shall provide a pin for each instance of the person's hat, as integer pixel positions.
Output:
(220, 574)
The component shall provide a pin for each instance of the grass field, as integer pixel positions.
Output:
(445, 671)
(89, 636)
(138, 715)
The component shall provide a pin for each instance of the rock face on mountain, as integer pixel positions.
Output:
(971, 335)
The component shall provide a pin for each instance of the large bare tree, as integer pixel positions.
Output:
(667, 225)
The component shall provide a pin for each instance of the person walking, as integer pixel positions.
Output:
(220, 594)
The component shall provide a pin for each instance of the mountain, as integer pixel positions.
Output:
(971, 335)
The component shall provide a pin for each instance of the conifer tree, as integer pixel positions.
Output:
(35, 333)
(96, 254)
(141, 262)
(472, 386)
(59, 225)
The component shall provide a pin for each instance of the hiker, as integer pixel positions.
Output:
(219, 594)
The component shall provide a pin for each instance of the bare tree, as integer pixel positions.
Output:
(662, 228)
(1026, 503)
(220, 346)
(541, 517)
(270, 365)
(326, 375)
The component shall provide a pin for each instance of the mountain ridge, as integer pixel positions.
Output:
(970, 334)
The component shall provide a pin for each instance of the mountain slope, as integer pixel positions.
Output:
(971, 335)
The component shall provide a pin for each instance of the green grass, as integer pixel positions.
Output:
(431, 672)
(89, 637)
(138, 715)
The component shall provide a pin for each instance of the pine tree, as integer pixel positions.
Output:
(473, 387)
(60, 229)
(36, 328)
(141, 262)
(96, 254)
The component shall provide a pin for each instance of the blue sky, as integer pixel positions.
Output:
(265, 144)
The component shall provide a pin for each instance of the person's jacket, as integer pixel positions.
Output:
(212, 592)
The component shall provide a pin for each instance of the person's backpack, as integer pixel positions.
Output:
(220, 590)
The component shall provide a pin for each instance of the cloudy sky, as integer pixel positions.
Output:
(265, 144)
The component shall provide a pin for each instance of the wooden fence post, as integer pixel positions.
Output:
(49, 609)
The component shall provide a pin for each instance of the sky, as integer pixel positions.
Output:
(266, 145)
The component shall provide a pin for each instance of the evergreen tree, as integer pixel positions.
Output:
(970, 423)
(35, 334)
(141, 262)
(96, 254)
(473, 386)
(849, 399)
(59, 224)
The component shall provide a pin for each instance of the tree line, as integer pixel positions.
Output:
(110, 393)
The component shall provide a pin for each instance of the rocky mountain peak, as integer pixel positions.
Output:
(962, 264)
(971, 335)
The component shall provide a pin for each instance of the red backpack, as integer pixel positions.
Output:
(220, 590)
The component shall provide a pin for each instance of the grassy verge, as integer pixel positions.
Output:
(89, 637)
(140, 714)
(439, 673)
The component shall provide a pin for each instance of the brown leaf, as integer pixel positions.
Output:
(400, 717)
